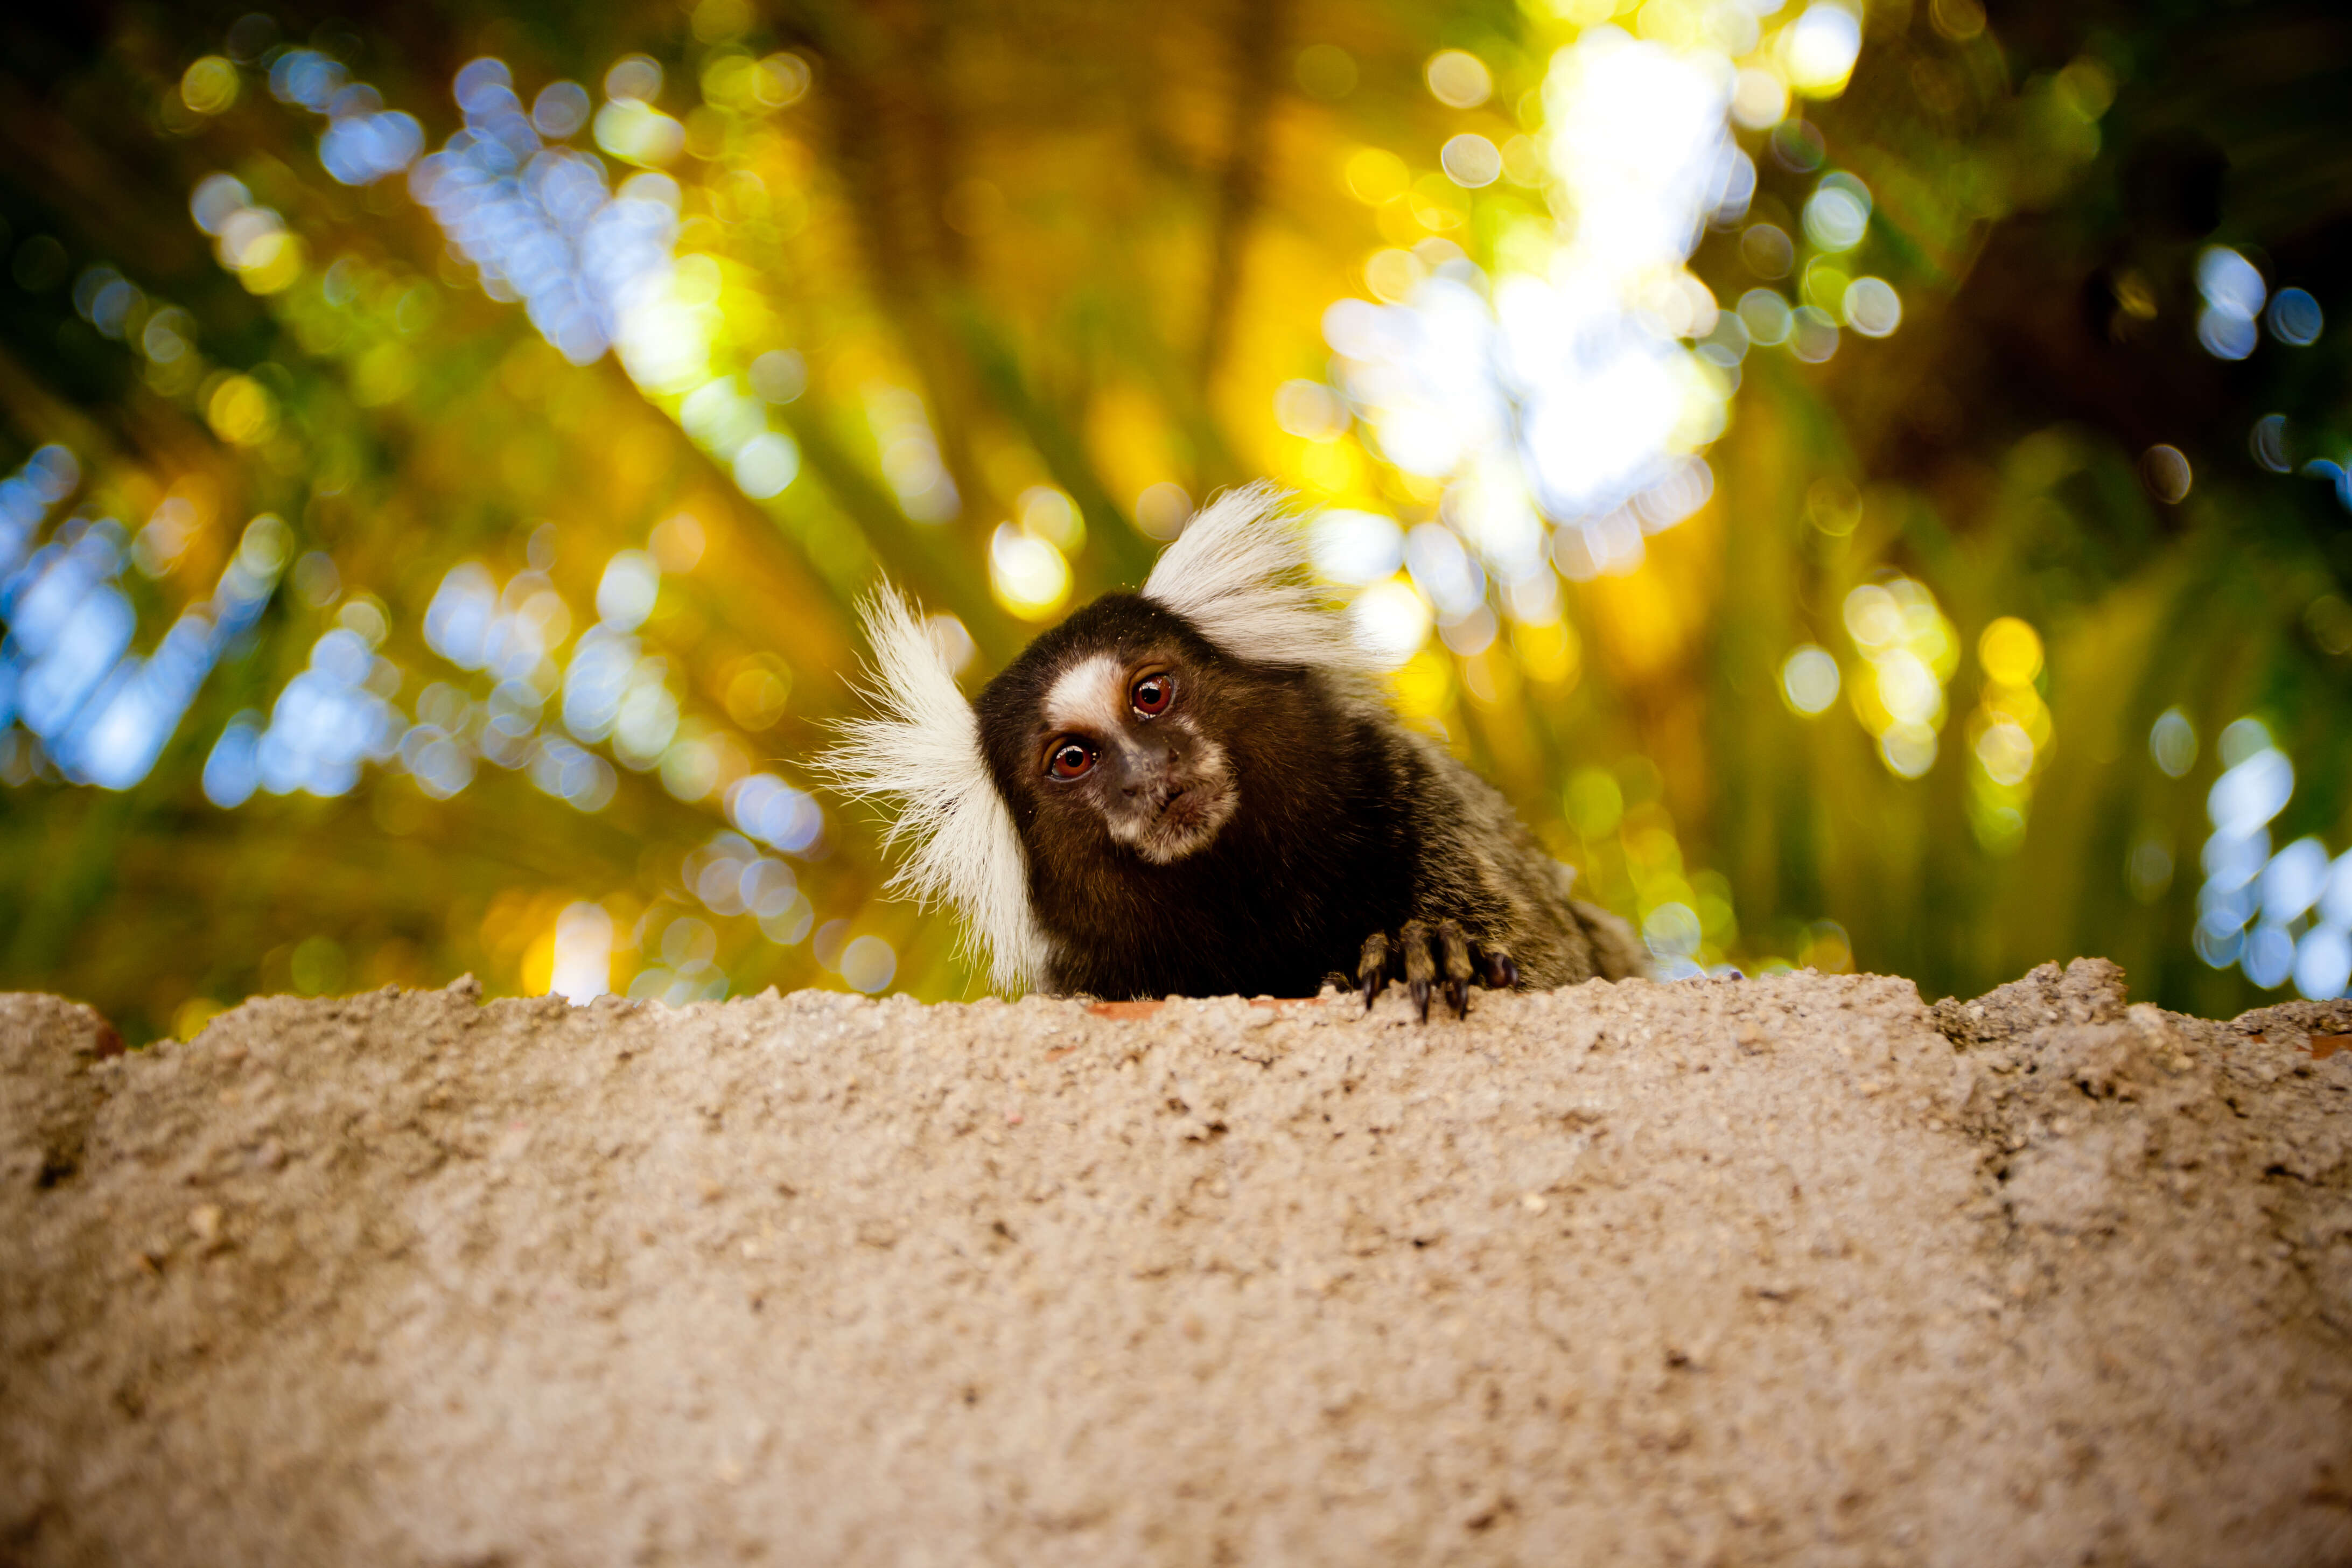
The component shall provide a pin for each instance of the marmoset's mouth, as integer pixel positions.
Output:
(1184, 823)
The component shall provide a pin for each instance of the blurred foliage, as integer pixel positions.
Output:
(982, 296)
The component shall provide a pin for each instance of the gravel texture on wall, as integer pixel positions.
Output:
(1793, 1270)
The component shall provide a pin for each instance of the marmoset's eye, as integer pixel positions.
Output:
(1072, 760)
(1152, 694)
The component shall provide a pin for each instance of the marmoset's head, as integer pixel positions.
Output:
(1112, 725)
(1120, 734)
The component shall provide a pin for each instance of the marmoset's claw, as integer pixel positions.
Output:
(1420, 964)
(1454, 958)
(1372, 967)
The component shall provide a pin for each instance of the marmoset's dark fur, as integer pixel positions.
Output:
(1192, 790)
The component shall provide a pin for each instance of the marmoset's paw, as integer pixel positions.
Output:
(1425, 956)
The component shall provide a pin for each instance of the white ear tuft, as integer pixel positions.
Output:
(921, 761)
(1239, 574)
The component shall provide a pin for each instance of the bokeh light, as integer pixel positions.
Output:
(1458, 79)
(1909, 649)
(1823, 47)
(2279, 917)
(2295, 318)
(1809, 679)
(867, 963)
(1030, 577)
(2172, 743)
(2165, 469)
(2234, 294)
(582, 965)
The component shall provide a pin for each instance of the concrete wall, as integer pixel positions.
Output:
(1792, 1270)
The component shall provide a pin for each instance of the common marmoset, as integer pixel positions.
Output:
(1198, 790)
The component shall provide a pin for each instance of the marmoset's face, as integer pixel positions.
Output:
(1121, 735)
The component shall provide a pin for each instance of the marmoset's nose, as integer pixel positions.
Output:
(1148, 773)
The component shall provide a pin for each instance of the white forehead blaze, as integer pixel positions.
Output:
(1089, 696)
